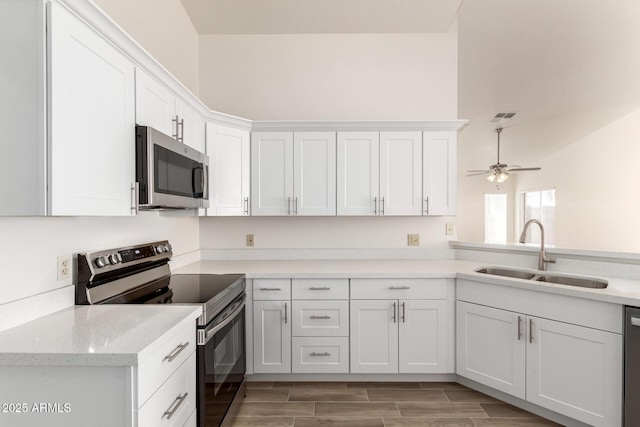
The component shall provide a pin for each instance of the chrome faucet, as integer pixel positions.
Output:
(542, 257)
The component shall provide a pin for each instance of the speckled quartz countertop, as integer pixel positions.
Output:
(93, 335)
(619, 291)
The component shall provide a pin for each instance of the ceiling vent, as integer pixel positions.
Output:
(501, 117)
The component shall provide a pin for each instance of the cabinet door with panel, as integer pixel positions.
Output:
(422, 336)
(271, 173)
(91, 145)
(155, 104)
(439, 172)
(358, 174)
(575, 371)
(374, 336)
(490, 347)
(229, 170)
(272, 337)
(191, 126)
(314, 169)
(400, 173)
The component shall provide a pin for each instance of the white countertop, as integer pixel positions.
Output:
(619, 291)
(93, 335)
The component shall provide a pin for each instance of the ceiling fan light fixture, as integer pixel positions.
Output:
(502, 176)
(492, 177)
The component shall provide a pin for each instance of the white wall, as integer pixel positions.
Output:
(30, 247)
(164, 29)
(331, 76)
(597, 182)
(323, 233)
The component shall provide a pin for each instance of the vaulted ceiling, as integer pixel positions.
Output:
(565, 67)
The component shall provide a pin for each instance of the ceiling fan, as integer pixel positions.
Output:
(499, 172)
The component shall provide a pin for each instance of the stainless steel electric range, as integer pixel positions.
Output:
(140, 274)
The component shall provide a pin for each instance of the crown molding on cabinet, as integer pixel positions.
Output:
(110, 30)
(358, 125)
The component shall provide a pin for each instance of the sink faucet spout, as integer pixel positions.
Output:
(543, 259)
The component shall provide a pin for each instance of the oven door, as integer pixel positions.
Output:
(221, 365)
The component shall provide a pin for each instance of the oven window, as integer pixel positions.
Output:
(177, 175)
(221, 370)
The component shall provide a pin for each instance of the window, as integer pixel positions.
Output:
(495, 218)
(540, 205)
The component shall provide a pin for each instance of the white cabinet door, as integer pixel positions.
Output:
(575, 371)
(400, 173)
(155, 104)
(314, 168)
(91, 146)
(374, 336)
(191, 129)
(439, 173)
(229, 172)
(358, 173)
(490, 347)
(271, 337)
(423, 336)
(272, 173)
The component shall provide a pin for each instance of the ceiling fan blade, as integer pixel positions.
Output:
(524, 169)
(478, 170)
(478, 173)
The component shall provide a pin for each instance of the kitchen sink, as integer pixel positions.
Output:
(507, 272)
(541, 276)
(584, 282)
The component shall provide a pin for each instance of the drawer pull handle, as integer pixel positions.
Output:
(171, 412)
(320, 317)
(319, 289)
(169, 357)
(402, 288)
(320, 354)
(270, 289)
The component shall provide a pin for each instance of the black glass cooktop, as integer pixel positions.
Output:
(201, 288)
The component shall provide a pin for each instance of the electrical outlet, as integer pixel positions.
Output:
(449, 229)
(250, 241)
(413, 239)
(64, 267)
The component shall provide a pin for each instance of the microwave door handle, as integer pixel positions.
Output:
(199, 190)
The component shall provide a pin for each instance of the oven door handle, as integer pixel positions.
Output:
(205, 335)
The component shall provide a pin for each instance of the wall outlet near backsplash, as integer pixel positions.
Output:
(413, 239)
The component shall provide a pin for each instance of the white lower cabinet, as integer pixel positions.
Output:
(271, 337)
(572, 370)
(398, 336)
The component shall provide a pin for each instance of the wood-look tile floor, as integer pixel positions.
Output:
(356, 404)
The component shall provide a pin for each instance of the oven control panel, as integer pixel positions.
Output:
(110, 259)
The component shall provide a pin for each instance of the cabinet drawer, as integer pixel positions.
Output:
(161, 363)
(320, 289)
(175, 401)
(271, 289)
(399, 288)
(320, 355)
(320, 318)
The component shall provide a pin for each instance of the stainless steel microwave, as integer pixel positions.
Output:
(169, 174)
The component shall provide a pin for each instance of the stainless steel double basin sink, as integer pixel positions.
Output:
(543, 276)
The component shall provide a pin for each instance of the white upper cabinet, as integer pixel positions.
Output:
(191, 125)
(271, 173)
(159, 108)
(400, 173)
(229, 173)
(293, 174)
(358, 173)
(379, 173)
(439, 169)
(314, 173)
(92, 138)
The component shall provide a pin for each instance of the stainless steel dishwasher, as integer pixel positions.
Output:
(632, 367)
